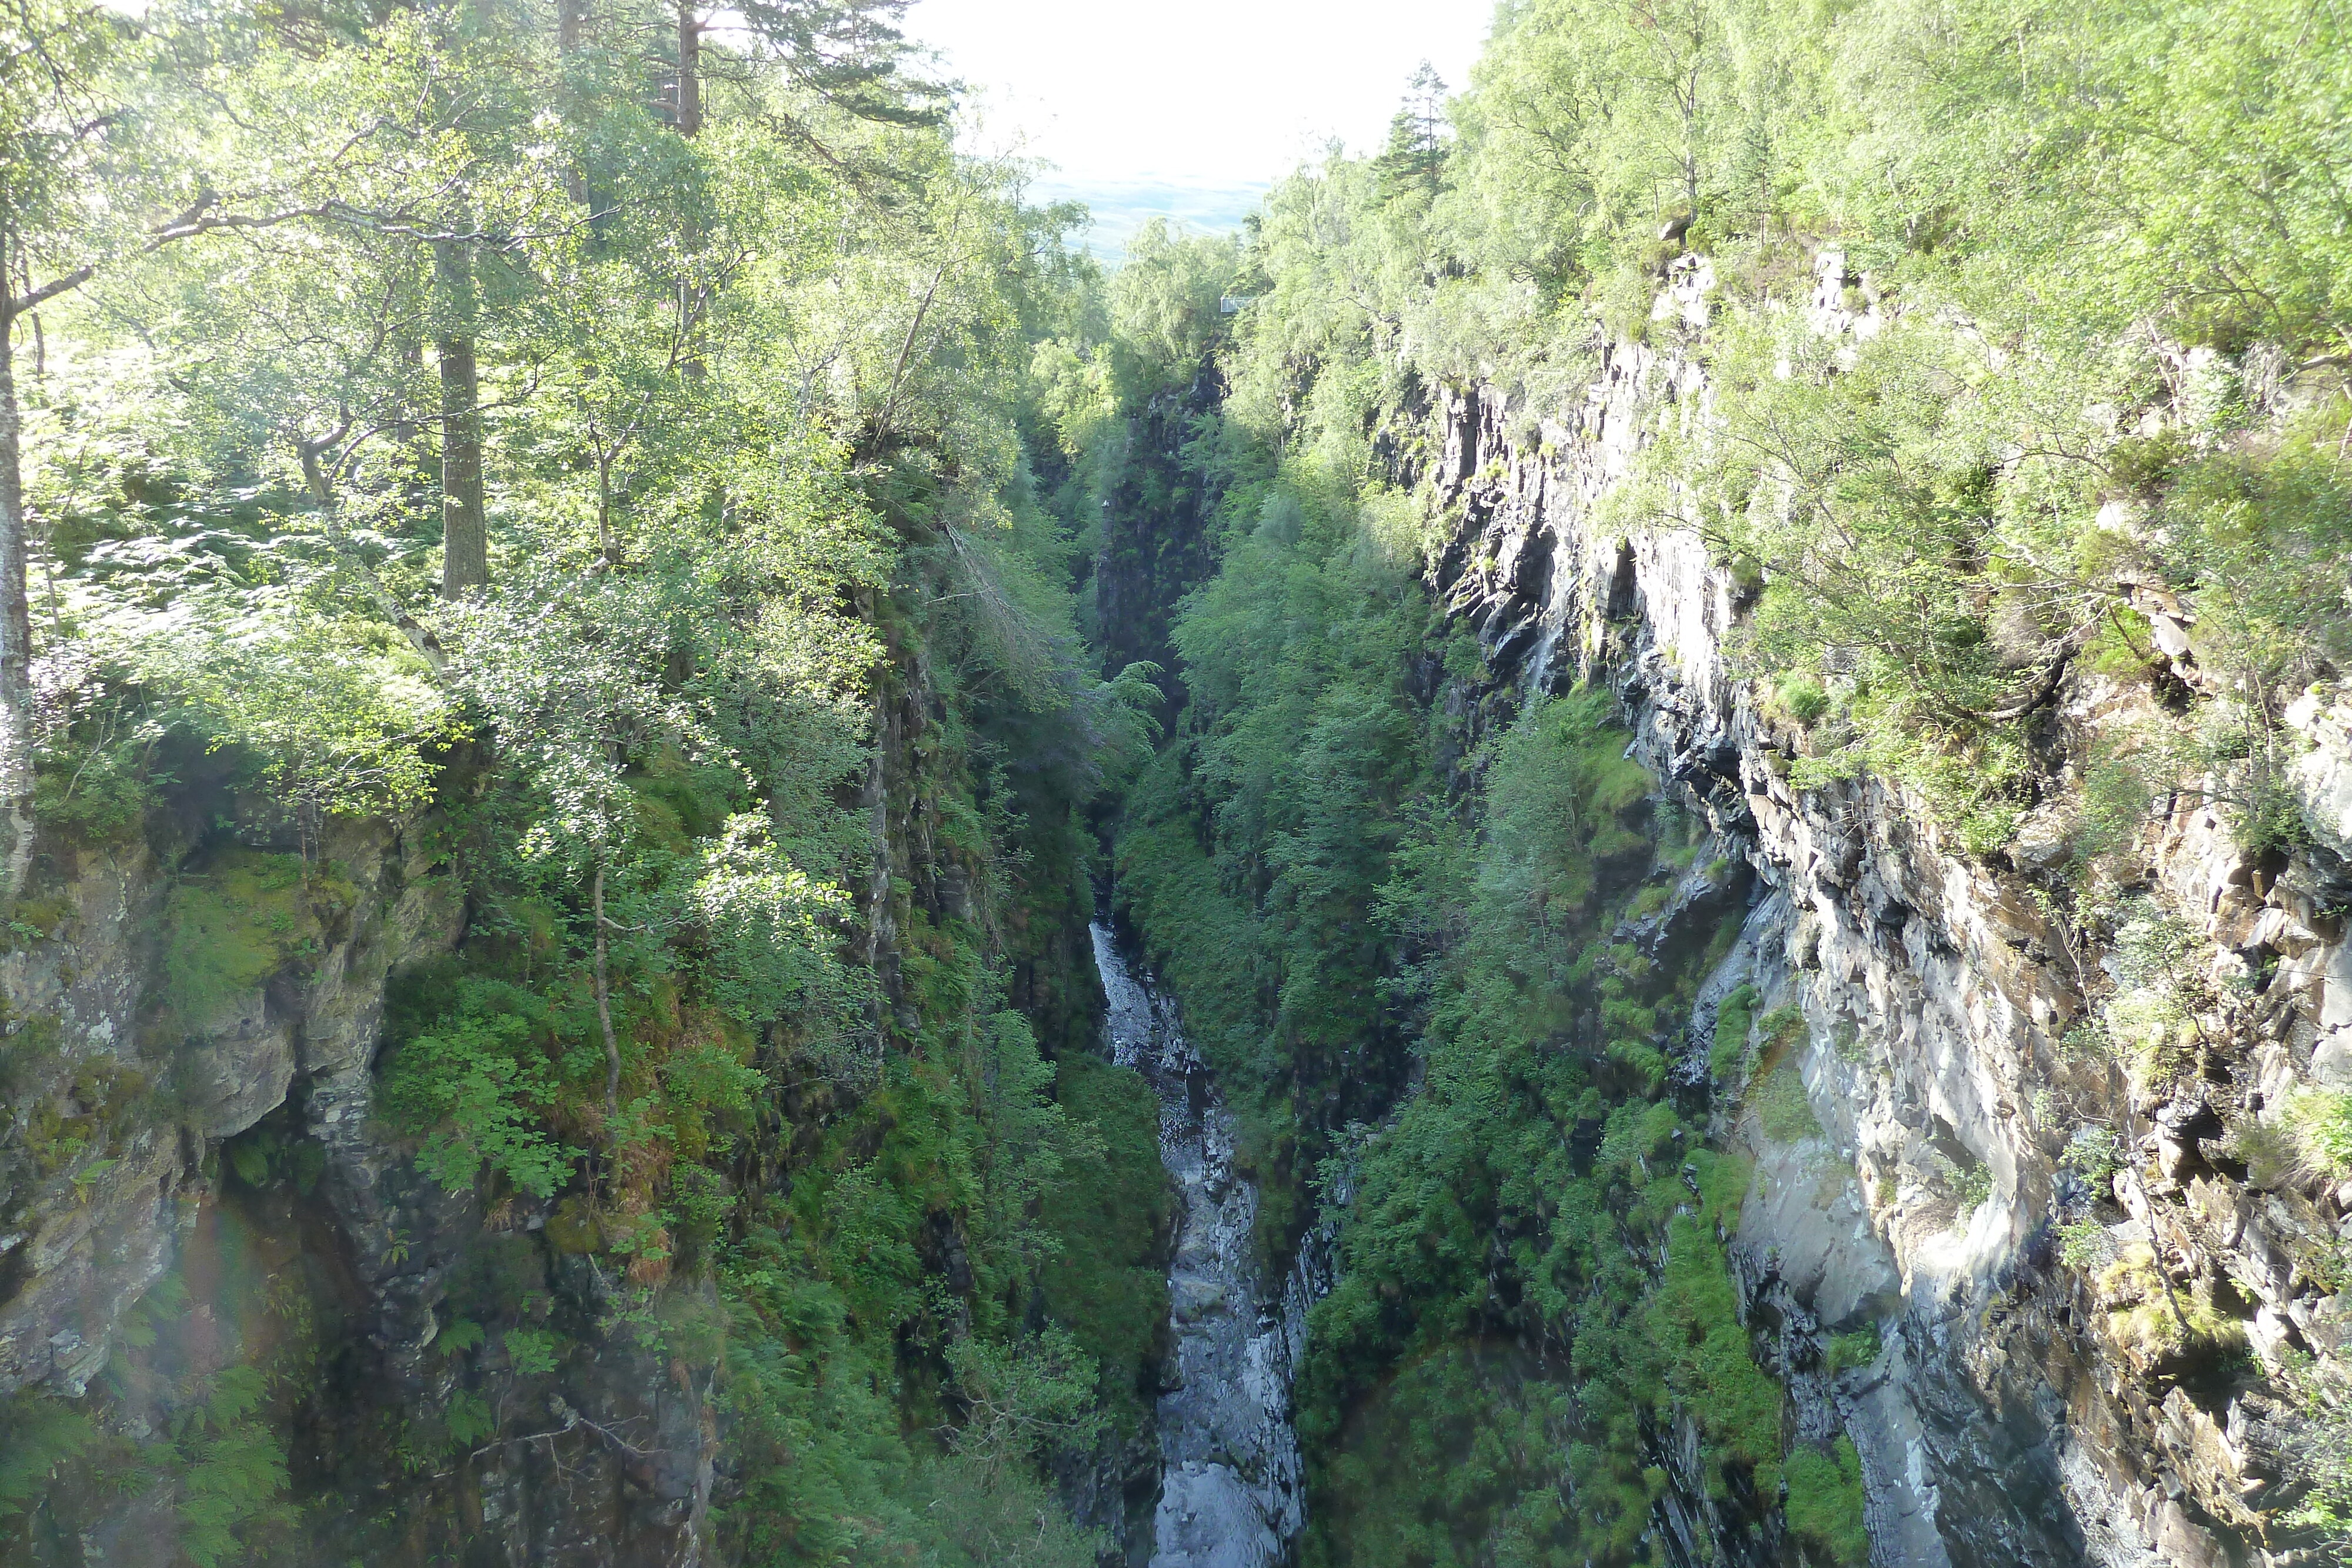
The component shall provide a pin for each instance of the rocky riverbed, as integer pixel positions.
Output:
(1231, 1495)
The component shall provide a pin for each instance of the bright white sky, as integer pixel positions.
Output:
(1189, 108)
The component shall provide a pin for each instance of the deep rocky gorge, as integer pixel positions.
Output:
(1231, 1493)
(2003, 1411)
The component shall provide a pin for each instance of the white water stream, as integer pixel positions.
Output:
(1229, 1493)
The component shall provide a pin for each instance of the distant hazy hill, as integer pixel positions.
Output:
(1121, 206)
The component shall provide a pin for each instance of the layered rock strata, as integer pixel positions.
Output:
(2009, 1412)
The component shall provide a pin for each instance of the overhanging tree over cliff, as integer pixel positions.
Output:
(80, 189)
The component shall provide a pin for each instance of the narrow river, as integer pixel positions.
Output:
(1230, 1490)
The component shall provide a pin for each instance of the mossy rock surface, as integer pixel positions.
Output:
(231, 926)
(1782, 1109)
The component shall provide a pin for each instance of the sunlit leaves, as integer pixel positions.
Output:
(762, 923)
(477, 1089)
(340, 713)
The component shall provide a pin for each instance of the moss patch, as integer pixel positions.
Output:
(1782, 1110)
(1734, 1017)
(231, 927)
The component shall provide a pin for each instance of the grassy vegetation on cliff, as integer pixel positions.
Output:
(2022, 325)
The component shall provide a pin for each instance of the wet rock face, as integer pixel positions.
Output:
(1231, 1493)
(77, 1250)
(2010, 1412)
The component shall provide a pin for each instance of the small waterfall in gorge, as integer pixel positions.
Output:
(1230, 1493)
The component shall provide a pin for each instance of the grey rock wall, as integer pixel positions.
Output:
(92, 1192)
(2005, 1419)
(124, 1079)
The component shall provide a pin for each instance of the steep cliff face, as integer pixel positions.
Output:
(200, 1187)
(169, 1008)
(2118, 1396)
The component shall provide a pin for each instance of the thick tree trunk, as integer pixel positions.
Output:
(465, 543)
(16, 630)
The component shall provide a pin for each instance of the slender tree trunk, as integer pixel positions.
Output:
(464, 544)
(690, 125)
(15, 623)
(571, 19)
(690, 71)
(605, 1007)
(881, 432)
(607, 543)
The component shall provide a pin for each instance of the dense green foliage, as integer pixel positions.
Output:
(2079, 348)
(1527, 1292)
(1537, 1191)
(1359, 866)
(633, 475)
(636, 457)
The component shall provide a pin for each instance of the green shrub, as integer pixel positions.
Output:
(1857, 1347)
(1825, 1503)
(1104, 1278)
(232, 1470)
(2320, 1122)
(1783, 1026)
(45, 1434)
(1734, 1016)
(1695, 1316)
(531, 1353)
(2094, 1154)
(2123, 645)
(1782, 1109)
(477, 1088)
(2085, 1244)
(1971, 1184)
(1802, 700)
(337, 711)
